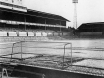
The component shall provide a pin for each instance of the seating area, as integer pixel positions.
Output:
(29, 32)
(16, 34)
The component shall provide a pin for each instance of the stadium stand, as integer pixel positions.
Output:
(18, 25)
(91, 30)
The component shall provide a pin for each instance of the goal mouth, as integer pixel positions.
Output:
(42, 52)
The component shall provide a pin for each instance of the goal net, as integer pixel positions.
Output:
(42, 51)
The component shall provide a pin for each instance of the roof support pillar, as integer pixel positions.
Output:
(25, 22)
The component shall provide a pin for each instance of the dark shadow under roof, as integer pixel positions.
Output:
(37, 14)
(46, 15)
(90, 25)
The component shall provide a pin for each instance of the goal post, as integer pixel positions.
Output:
(60, 52)
(68, 46)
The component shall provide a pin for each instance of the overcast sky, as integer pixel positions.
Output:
(87, 10)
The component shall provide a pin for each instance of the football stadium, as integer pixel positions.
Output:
(21, 21)
(33, 44)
